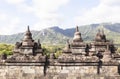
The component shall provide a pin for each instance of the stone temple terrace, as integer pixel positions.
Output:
(79, 60)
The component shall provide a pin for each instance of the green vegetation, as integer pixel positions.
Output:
(48, 49)
(6, 49)
(118, 50)
(56, 49)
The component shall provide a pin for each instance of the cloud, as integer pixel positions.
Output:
(106, 11)
(111, 2)
(15, 1)
(25, 8)
(45, 11)
(3, 16)
(10, 26)
(40, 14)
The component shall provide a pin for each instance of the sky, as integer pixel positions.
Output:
(16, 15)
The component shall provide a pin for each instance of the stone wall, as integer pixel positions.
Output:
(58, 72)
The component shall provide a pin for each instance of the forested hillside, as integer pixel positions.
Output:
(56, 35)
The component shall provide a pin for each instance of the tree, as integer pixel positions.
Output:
(6, 49)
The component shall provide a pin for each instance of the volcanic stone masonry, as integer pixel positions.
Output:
(79, 60)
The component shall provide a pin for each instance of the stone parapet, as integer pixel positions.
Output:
(58, 72)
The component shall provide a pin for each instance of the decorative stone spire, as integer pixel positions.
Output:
(39, 44)
(98, 36)
(27, 40)
(67, 48)
(28, 28)
(103, 36)
(77, 29)
(77, 36)
(68, 44)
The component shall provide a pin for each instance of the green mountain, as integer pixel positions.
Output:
(56, 35)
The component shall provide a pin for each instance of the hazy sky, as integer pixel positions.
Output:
(15, 15)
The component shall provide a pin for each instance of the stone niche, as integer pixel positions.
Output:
(78, 50)
(26, 50)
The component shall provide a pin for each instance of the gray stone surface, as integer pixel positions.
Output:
(56, 72)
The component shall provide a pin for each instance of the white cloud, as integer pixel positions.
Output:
(42, 9)
(3, 16)
(46, 14)
(25, 8)
(14, 1)
(10, 26)
(46, 11)
(106, 11)
(111, 2)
